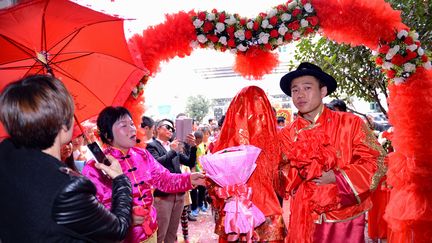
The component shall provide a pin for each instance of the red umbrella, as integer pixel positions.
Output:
(85, 49)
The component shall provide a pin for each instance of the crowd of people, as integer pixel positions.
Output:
(325, 165)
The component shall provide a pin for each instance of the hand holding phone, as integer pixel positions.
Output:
(98, 154)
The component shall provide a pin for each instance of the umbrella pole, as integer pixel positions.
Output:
(81, 129)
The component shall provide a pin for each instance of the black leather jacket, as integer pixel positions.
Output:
(42, 201)
(77, 208)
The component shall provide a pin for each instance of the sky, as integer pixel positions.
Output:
(177, 79)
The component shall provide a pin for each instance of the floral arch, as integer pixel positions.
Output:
(374, 24)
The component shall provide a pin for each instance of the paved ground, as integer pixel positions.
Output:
(200, 230)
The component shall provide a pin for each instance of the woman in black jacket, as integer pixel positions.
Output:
(41, 199)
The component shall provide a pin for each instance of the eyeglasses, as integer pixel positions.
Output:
(168, 127)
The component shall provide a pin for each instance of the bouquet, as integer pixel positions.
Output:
(230, 169)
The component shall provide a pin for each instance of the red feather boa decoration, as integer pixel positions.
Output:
(255, 63)
(165, 41)
(410, 168)
(358, 22)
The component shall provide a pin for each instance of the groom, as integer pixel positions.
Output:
(333, 163)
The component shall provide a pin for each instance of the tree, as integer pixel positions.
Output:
(353, 67)
(197, 107)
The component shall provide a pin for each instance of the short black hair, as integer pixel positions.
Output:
(280, 119)
(147, 122)
(198, 134)
(340, 104)
(221, 121)
(181, 114)
(106, 119)
(164, 120)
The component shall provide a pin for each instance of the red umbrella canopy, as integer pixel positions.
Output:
(84, 48)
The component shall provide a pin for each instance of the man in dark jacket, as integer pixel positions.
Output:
(169, 206)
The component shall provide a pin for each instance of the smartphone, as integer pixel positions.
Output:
(98, 154)
(183, 128)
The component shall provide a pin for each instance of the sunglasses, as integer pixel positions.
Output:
(168, 127)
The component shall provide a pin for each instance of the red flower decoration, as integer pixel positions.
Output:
(379, 61)
(274, 33)
(273, 21)
(424, 58)
(222, 18)
(409, 40)
(397, 60)
(268, 46)
(208, 26)
(248, 34)
(410, 55)
(231, 43)
(202, 16)
(308, 30)
(288, 36)
(295, 25)
(255, 26)
(312, 20)
(213, 38)
(230, 30)
(390, 73)
(384, 49)
(296, 12)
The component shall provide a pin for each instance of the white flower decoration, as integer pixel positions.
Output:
(420, 51)
(414, 35)
(399, 80)
(402, 33)
(304, 23)
(392, 51)
(308, 7)
(198, 23)
(135, 90)
(202, 38)
(231, 20)
(241, 47)
(265, 24)
(387, 65)
(292, 5)
(194, 44)
(249, 25)
(223, 40)
(280, 41)
(282, 29)
(285, 17)
(233, 51)
(263, 38)
(272, 13)
(220, 27)
(240, 34)
(409, 67)
(412, 47)
(427, 65)
(296, 35)
(211, 16)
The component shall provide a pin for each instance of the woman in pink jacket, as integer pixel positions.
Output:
(118, 133)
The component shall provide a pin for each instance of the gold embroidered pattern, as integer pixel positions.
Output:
(382, 169)
(347, 179)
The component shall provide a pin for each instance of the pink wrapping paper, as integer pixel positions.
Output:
(230, 169)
